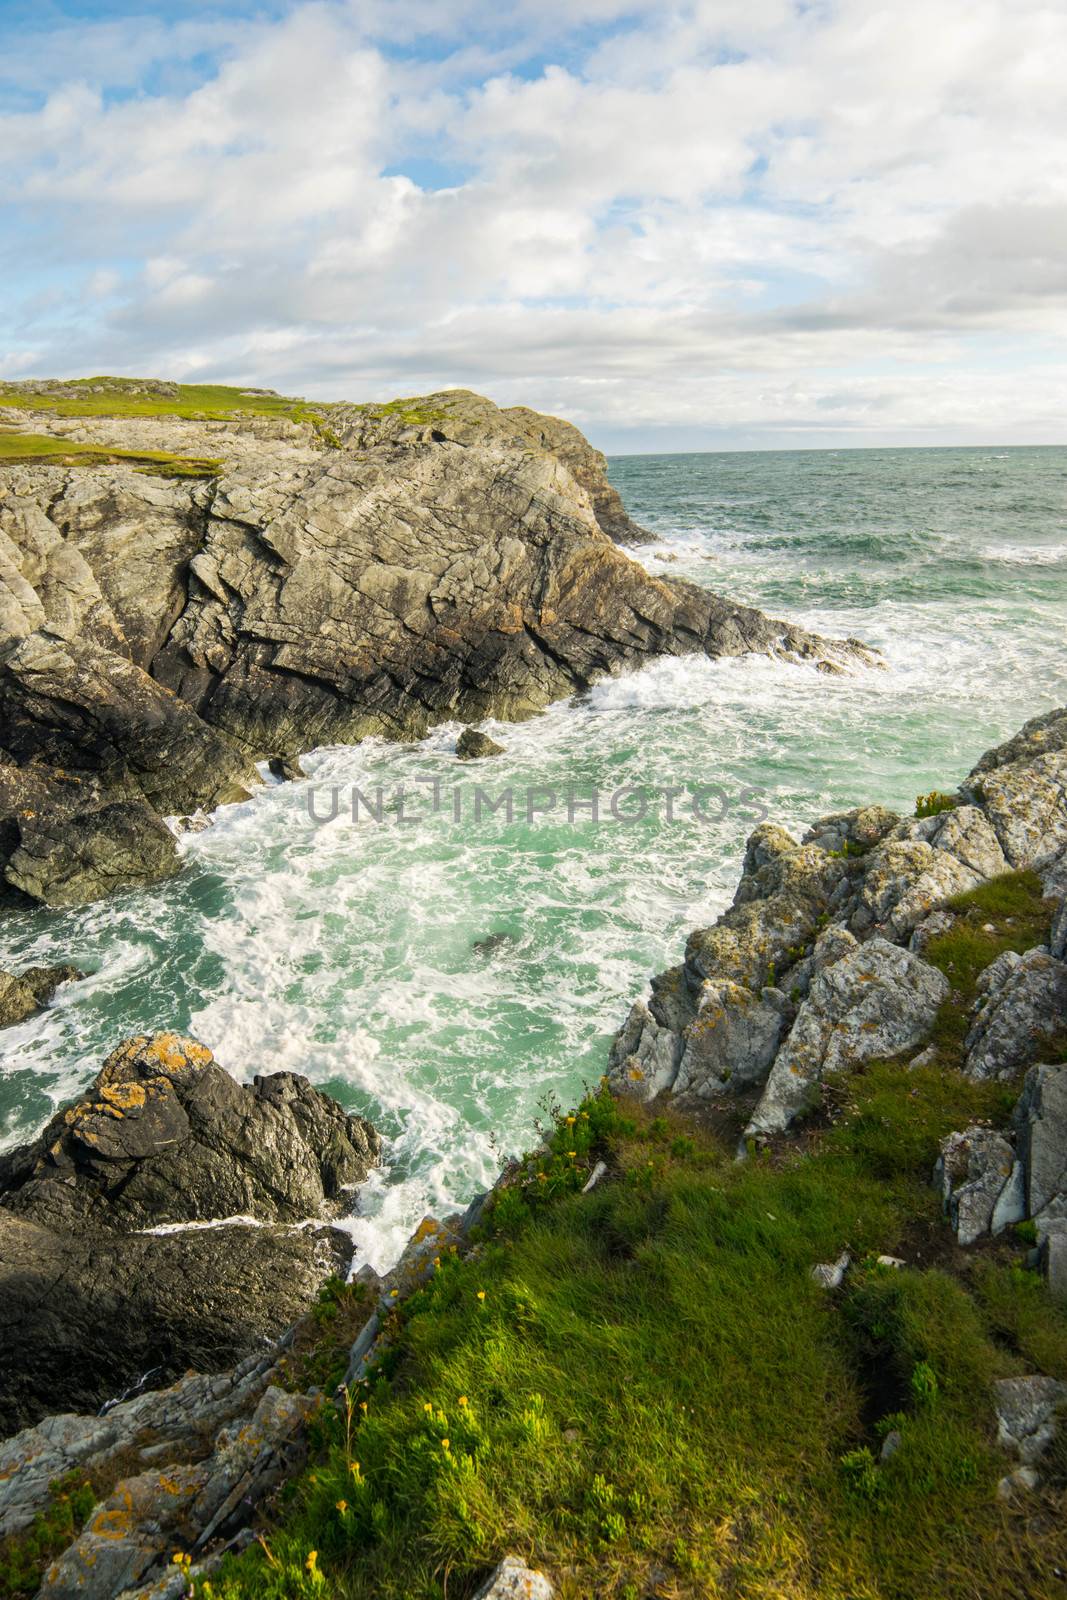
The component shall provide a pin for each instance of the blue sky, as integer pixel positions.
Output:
(716, 224)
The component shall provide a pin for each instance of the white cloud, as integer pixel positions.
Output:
(844, 218)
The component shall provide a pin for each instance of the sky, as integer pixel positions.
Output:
(724, 224)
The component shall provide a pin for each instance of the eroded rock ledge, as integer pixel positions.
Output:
(406, 565)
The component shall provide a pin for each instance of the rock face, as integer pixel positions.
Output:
(875, 1001)
(1021, 787)
(982, 1183)
(442, 559)
(1025, 1008)
(165, 1137)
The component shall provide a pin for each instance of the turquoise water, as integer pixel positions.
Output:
(445, 977)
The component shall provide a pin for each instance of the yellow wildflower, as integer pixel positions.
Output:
(445, 1445)
(462, 1401)
(342, 1506)
(312, 1563)
(481, 1294)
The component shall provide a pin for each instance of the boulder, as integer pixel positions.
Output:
(732, 1041)
(644, 1055)
(1026, 1414)
(1025, 1007)
(472, 745)
(513, 1580)
(982, 1183)
(873, 1002)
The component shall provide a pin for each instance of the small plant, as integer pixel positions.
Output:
(861, 1474)
(932, 804)
(924, 1385)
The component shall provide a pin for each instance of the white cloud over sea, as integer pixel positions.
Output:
(728, 222)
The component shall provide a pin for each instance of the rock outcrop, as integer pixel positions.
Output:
(819, 966)
(112, 1261)
(434, 559)
(23, 993)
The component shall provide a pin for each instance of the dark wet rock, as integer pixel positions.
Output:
(165, 1135)
(87, 1315)
(472, 745)
(286, 770)
(101, 1281)
(24, 993)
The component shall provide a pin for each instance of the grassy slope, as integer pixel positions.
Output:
(643, 1390)
(195, 400)
(48, 450)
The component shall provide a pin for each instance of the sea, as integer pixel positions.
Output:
(452, 965)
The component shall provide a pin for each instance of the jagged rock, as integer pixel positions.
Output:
(23, 993)
(70, 861)
(644, 1056)
(165, 1135)
(472, 745)
(776, 914)
(1026, 1414)
(513, 1580)
(443, 559)
(130, 1536)
(903, 881)
(733, 1039)
(861, 828)
(163, 1425)
(1040, 1121)
(982, 1183)
(873, 1002)
(287, 771)
(1022, 788)
(1025, 1008)
(931, 927)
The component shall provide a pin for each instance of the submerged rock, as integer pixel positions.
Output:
(472, 745)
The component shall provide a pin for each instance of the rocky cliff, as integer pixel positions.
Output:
(306, 577)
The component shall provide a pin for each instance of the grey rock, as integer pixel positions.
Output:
(128, 1539)
(472, 745)
(1014, 1485)
(1040, 1120)
(890, 1445)
(1026, 1414)
(904, 879)
(1022, 788)
(874, 1002)
(931, 927)
(831, 1274)
(863, 828)
(982, 1183)
(733, 1039)
(1025, 1010)
(1052, 1258)
(513, 1580)
(645, 1056)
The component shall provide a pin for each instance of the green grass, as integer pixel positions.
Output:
(643, 1390)
(46, 449)
(1005, 913)
(932, 804)
(193, 400)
